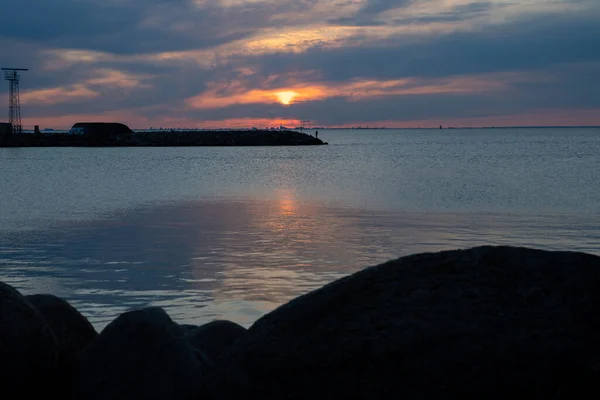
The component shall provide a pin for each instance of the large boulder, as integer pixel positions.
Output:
(72, 330)
(28, 351)
(215, 337)
(486, 323)
(142, 354)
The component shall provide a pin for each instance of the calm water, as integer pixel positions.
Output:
(234, 232)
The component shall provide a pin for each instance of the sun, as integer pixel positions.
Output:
(286, 97)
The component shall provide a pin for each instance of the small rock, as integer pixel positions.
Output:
(28, 350)
(142, 354)
(215, 337)
(484, 323)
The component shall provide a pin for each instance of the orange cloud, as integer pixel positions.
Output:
(58, 95)
(57, 59)
(233, 93)
(87, 89)
(115, 78)
(298, 40)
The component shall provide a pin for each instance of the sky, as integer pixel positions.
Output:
(338, 63)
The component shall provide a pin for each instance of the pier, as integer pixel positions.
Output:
(127, 137)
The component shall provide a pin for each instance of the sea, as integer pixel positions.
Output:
(233, 232)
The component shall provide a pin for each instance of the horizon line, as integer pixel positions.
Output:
(359, 127)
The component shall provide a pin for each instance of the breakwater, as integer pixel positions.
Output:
(164, 138)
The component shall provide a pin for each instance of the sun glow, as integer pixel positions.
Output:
(286, 97)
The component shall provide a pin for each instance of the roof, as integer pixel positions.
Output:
(103, 128)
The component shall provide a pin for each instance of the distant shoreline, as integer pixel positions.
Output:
(468, 127)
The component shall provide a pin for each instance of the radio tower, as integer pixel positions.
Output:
(14, 103)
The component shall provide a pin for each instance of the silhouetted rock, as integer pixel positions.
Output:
(141, 355)
(188, 327)
(485, 323)
(28, 351)
(72, 330)
(215, 337)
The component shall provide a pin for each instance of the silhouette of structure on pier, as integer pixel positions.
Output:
(303, 125)
(12, 75)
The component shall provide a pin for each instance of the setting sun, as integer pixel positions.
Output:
(286, 97)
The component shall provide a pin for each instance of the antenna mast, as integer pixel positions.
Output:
(14, 103)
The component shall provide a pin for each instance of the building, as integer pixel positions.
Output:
(6, 130)
(100, 129)
(77, 131)
(102, 133)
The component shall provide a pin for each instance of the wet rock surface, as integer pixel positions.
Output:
(28, 350)
(215, 337)
(72, 330)
(141, 354)
(490, 322)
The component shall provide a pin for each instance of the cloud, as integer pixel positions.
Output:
(100, 81)
(530, 44)
(371, 12)
(332, 61)
(221, 95)
(58, 95)
(121, 27)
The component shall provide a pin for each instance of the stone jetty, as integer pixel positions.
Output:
(483, 323)
(163, 138)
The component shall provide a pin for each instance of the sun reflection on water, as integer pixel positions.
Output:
(240, 258)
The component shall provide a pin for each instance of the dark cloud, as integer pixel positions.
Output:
(462, 12)
(524, 45)
(372, 12)
(129, 27)
(15, 54)
(375, 7)
(368, 13)
(143, 26)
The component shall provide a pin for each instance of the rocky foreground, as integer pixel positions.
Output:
(484, 323)
(165, 138)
